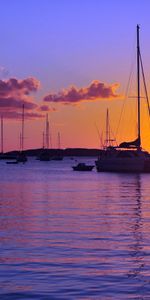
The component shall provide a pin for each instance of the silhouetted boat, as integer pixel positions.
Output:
(58, 155)
(128, 156)
(12, 162)
(45, 154)
(83, 167)
(21, 157)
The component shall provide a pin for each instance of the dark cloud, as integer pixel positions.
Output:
(14, 93)
(15, 86)
(18, 115)
(11, 102)
(46, 108)
(95, 91)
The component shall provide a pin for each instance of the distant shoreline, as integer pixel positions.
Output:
(68, 152)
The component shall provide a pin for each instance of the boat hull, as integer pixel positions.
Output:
(21, 158)
(83, 168)
(137, 165)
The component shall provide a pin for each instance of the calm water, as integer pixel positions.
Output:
(73, 235)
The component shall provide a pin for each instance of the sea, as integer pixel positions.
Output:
(73, 235)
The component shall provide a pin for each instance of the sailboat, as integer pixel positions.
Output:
(22, 156)
(58, 155)
(2, 140)
(45, 154)
(128, 156)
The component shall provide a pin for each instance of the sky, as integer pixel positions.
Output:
(72, 59)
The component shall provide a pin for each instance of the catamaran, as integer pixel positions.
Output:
(128, 156)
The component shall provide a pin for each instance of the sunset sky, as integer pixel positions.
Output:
(72, 59)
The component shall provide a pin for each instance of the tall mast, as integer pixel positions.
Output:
(2, 144)
(59, 140)
(138, 87)
(22, 134)
(47, 132)
(107, 129)
(20, 141)
(43, 141)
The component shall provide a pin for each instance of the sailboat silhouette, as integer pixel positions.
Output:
(45, 154)
(22, 156)
(128, 156)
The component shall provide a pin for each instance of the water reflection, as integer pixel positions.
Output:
(136, 247)
(75, 236)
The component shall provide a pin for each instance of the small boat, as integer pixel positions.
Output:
(83, 167)
(12, 162)
(21, 157)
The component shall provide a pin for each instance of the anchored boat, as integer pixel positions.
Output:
(83, 167)
(128, 156)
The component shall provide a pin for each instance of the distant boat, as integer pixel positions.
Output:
(128, 156)
(83, 167)
(21, 157)
(2, 141)
(12, 162)
(45, 154)
(58, 155)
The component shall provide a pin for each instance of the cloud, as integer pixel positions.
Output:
(14, 93)
(18, 115)
(18, 87)
(46, 108)
(11, 102)
(95, 91)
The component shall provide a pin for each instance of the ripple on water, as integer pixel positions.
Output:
(67, 235)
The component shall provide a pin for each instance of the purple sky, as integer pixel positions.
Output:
(63, 43)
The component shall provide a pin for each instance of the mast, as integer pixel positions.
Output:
(22, 133)
(47, 132)
(107, 141)
(2, 144)
(107, 127)
(20, 141)
(59, 140)
(138, 87)
(43, 141)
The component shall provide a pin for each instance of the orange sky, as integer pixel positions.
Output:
(72, 60)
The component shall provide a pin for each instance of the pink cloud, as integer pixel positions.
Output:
(46, 108)
(18, 115)
(11, 102)
(14, 93)
(95, 91)
(15, 86)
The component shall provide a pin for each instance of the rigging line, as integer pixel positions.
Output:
(127, 88)
(99, 136)
(145, 87)
(114, 138)
(126, 93)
